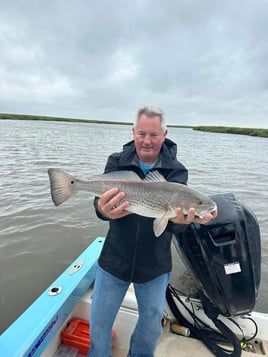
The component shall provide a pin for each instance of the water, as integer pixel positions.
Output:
(38, 241)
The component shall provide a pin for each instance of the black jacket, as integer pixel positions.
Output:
(131, 251)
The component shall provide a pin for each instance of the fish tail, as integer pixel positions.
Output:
(62, 186)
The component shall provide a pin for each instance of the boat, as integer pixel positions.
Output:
(218, 321)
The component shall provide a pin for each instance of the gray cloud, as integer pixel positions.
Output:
(202, 62)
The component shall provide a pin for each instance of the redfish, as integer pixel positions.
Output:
(151, 197)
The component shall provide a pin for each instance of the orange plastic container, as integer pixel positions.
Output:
(76, 334)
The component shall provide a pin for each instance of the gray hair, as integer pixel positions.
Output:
(151, 112)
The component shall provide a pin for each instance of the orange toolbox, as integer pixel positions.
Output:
(76, 334)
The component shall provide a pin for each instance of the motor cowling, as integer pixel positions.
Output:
(224, 255)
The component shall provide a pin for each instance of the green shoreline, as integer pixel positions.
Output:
(263, 133)
(48, 118)
(214, 129)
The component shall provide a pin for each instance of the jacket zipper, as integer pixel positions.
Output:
(135, 251)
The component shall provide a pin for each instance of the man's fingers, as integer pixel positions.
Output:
(110, 204)
(108, 195)
(190, 217)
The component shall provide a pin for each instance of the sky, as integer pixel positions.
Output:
(203, 62)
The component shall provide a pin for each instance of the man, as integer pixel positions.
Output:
(131, 252)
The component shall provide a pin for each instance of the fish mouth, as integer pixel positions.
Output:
(203, 213)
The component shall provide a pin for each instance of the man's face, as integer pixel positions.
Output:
(149, 137)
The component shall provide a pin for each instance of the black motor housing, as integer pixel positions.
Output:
(225, 256)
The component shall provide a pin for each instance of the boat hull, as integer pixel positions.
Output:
(36, 327)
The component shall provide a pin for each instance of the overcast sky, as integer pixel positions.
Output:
(204, 62)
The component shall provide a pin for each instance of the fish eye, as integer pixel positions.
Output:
(72, 182)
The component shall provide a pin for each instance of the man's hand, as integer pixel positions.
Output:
(108, 204)
(191, 218)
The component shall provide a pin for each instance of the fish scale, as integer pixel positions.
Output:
(135, 192)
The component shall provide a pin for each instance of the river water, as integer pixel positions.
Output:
(38, 241)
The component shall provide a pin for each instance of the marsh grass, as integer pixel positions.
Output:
(234, 130)
(48, 118)
(213, 129)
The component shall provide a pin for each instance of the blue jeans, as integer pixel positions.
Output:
(108, 295)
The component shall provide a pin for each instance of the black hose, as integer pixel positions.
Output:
(210, 339)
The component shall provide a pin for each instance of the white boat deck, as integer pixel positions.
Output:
(171, 345)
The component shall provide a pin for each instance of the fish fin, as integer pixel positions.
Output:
(154, 176)
(118, 175)
(62, 185)
(160, 224)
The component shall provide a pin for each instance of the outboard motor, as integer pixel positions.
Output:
(224, 255)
